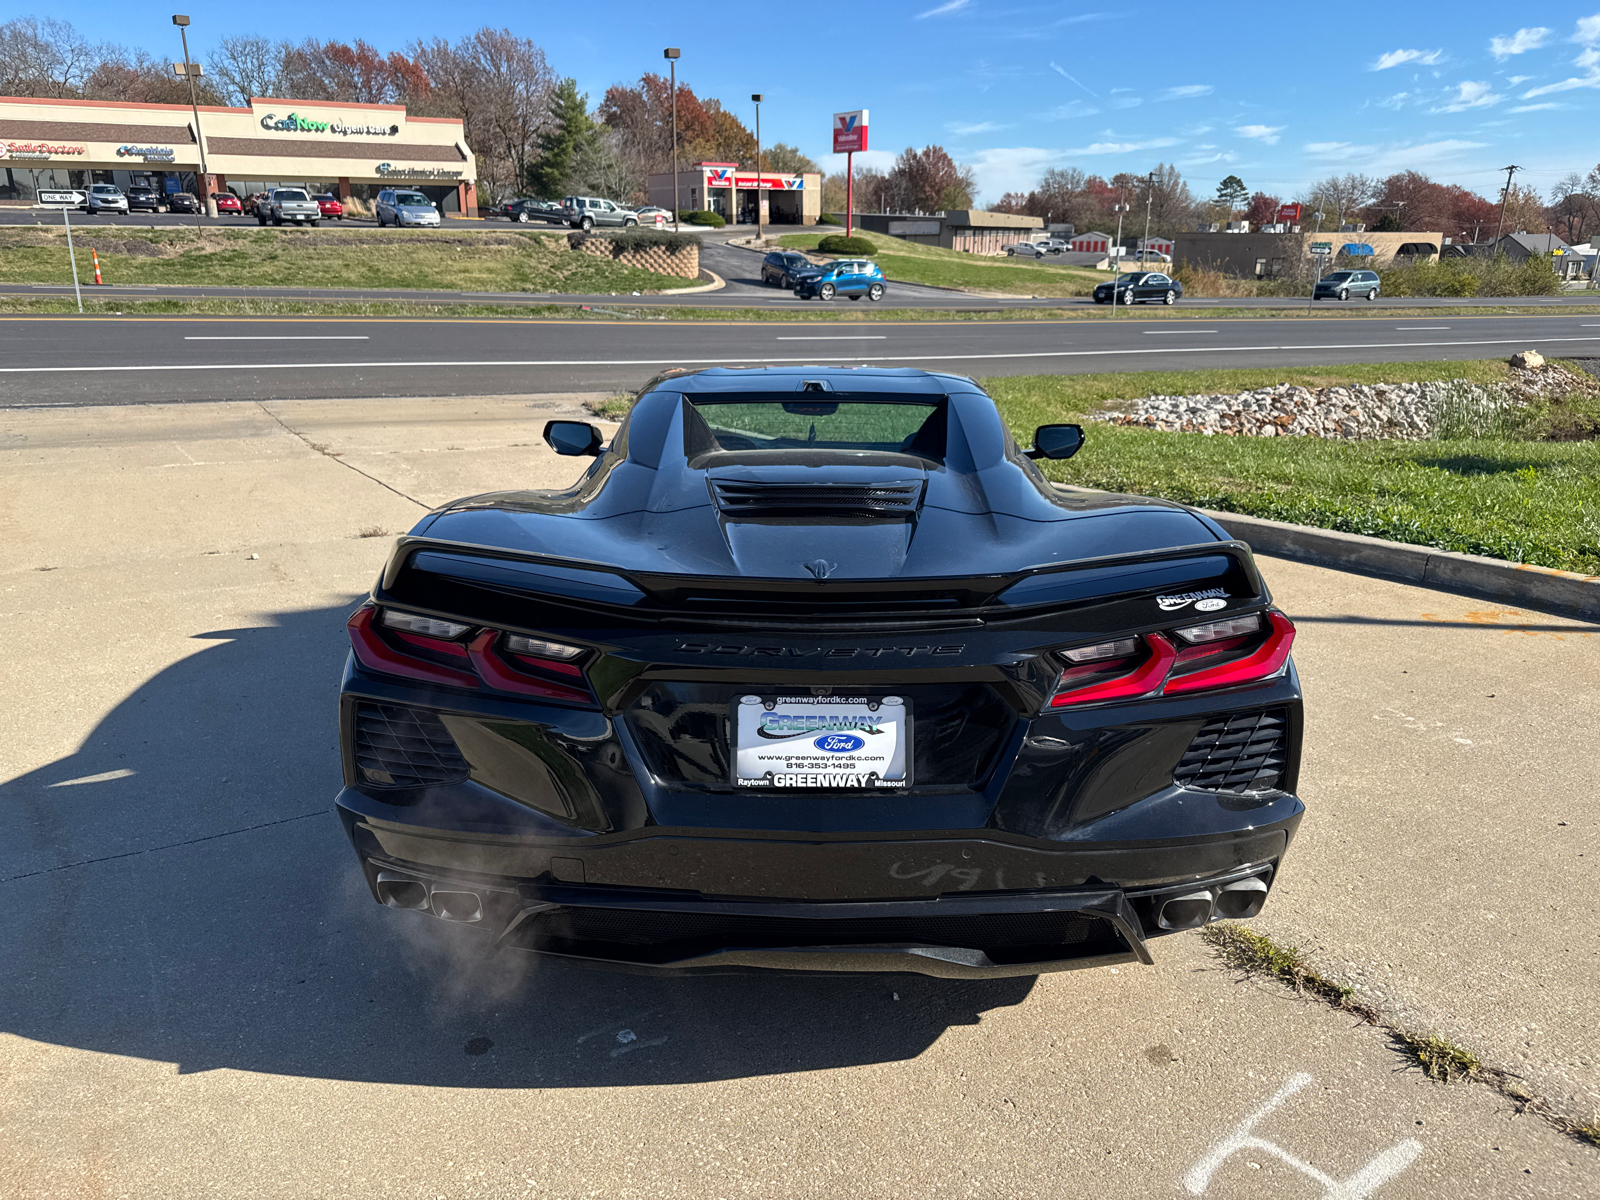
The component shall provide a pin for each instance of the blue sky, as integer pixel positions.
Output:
(1455, 90)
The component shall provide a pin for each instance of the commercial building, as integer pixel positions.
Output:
(352, 150)
(969, 230)
(1265, 255)
(732, 193)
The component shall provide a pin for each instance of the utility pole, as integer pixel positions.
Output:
(1116, 261)
(1504, 196)
(1149, 198)
(671, 54)
(760, 195)
(192, 72)
(1318, 257)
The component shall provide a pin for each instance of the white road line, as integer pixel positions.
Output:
(847, 337)
(1160, 332)
(285, 337)
(1419, 328)
(456, 364)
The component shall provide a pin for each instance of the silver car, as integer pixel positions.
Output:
(401, 206)
(104, 198)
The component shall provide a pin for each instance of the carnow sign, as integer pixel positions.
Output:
(850, 131)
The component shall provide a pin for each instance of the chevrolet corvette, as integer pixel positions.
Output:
(815, 669)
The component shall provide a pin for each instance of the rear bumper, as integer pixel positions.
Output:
(662, 900)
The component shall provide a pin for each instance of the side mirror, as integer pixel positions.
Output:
(574, 438)
(1057, 441)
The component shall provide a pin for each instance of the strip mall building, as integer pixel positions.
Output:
(348, 149)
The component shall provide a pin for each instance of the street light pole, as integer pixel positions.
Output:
(760, 195)
(1318, 257)
(1149, 199)
(1116, 259)
(671, 54)
(191, 70)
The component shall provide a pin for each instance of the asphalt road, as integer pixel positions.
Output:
(104, 360)
(199, 998)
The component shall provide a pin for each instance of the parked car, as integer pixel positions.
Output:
(585, 212)
(228, 204)
(250, 202)
(183, 202)
(1051, 245)
(853, 277)
(1345, 284)
(288, 206)
(144, 199)
(104, 198)
(650, 214)
(329, 206)
(786, 269)
(1025, 250)
(1140, 287)
(401, 207)
(526, 210)
(898, 727)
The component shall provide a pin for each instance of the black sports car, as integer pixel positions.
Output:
(813, 668)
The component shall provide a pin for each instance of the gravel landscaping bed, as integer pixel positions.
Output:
(1401, 411)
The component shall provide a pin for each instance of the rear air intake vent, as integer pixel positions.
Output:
(404, 747)
(1241, 753)
(742, 499)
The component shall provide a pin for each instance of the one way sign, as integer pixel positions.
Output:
(60, 197)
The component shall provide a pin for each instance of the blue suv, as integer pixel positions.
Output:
(853, 277)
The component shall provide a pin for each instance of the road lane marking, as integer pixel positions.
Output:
(843, 337)
(276, 337)
(457, 364)
(1418, 328)
(1159, 332)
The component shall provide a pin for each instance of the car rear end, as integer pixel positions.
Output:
(994, 775)
(329, 208)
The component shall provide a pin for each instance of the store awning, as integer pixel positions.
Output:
(1357, 250)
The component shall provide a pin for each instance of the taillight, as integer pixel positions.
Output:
(1219, 654)
(417, 647)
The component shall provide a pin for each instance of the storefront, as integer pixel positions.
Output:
(734, 194)
(351, 150)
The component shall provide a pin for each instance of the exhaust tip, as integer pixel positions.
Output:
(1242, 899)
(462, 906)
(1189, 911)
(401, 891)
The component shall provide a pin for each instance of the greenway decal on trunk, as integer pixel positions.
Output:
(1205, 601)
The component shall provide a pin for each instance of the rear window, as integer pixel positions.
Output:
(1337, 277)
(410, 198)
(289, 194)
(896, 426)
(324, 196)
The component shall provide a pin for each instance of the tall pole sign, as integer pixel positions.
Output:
(67, 200)
(849, 135)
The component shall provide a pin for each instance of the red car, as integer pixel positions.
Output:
(227, 202)
(330, 206)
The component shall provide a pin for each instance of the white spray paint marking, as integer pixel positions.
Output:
(103, 777)
(1383, 1167)
(638, 1044)
(611, 1027)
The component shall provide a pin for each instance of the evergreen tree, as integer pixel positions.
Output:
(564, 142)
(1231, 193)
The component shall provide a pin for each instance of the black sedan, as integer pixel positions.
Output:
(1140, 287)
(524, 211)
(785, 269)
(144, 199)
(814, 668)
(182, 202)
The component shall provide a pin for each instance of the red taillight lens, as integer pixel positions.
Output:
(1141, 679)
(497, 673)
(378, 655)
(1263, 662)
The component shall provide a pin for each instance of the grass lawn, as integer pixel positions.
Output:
(1534, 502)
(268, 257)
(908, 262)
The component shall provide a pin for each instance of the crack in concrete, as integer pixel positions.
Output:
(323, 450)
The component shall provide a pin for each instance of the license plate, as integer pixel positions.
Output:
(833, 743)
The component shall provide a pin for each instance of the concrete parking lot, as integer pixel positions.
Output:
(200, 998)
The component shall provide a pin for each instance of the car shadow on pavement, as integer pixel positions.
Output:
(180, 890)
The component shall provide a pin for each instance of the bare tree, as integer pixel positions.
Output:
(46, 58)
(244, 66)
(1340, 197)
(1575, 206)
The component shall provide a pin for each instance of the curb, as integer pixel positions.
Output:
(717, 284)
(1564, 593)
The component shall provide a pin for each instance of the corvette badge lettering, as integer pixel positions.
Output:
(1174, 603)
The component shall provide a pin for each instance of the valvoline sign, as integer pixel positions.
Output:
(849, 131)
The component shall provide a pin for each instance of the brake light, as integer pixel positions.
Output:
(497, 673)
(376, 654)
(1265, 661)
(1142, 679)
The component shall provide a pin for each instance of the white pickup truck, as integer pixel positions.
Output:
(282, 205)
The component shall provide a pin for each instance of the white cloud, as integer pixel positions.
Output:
(1123, 147)
(1589, 58)
(1328, 149)
(1545, 107)
(1395, 101)
(949, 6)
(1187, 91)
(961, 130)
(1392, 157)
(1592, 80)
(1470, 94)
(1397, 58)
(1061, 71)
(1519, 42)
(1073, 110)
(1082, 17)
(1516, 79)
(882, 160)
(1263, 133)
(1588, 31)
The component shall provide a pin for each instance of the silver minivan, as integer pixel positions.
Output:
(402, 206)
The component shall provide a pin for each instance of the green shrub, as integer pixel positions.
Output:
(1461, 277)
(702, 217)
(837, 243)
(829, 219)
(638, 239)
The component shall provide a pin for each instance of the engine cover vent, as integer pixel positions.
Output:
(745, 499)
